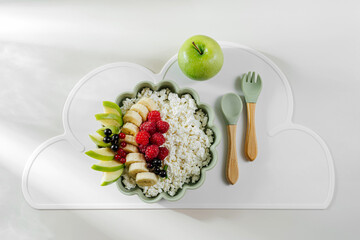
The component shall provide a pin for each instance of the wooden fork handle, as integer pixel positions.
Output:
(232, 170)
(250, 139)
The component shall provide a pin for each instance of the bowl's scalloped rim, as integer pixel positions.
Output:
(210, 124)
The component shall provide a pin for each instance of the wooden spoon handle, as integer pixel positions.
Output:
(250, 140)
(232, 170)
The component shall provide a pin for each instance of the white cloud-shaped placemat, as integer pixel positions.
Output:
(294, 168)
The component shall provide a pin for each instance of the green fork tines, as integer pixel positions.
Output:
(251, 86)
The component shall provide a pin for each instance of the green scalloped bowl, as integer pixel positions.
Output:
(217, 137)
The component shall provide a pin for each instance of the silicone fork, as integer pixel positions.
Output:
(231, 106)
(251, 89)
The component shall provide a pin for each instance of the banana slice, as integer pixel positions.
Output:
(130, 128)
(129, 139)
(148, 103)
(131, 149)
(136, 168)
(140, 109)
(146, 179)
(133, 117)
(134, 158)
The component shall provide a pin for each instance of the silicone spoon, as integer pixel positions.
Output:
(231, 106)
(251, 90)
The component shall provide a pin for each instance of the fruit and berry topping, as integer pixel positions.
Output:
(137, 145)
(140, 109)
(107, 132)
(142, 148)
(155, 166)
(122, 135)
(121, 152)
(145, 179)
(133, 117)
(114, 141)
(115, 137)
(130, 148)
(152, 151)
(154, 116)
(129, 139)
(142, 138)
(157, 139)
(148, 103)
(163, 153)
(136, 168)
(114, 147)
(162, 173)
(130, 128)
(117, 157)
(134, 157)
(107, 139)
(157, 170)
(149, 127)
(162, 126)
(156, 162)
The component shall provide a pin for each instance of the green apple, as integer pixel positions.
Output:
(114, 130)
(110, 107)
(107, 166)
(200, 57)
(109, 119)
(98, 140)
(105, 154)
(110, 177)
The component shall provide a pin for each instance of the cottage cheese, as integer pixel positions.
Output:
(187, 139)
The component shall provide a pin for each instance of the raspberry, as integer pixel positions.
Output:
(163, 152)
(162, 126)
(151, 152)
(154, 116)
(122, 153)
(142, 148)
(142, 138)
(158, 139)
(148, 126)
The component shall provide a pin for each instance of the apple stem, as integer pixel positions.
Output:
(197, 48)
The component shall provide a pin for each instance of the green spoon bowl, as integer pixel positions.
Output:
(231, 107)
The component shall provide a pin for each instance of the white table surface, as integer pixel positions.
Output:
(45, 48)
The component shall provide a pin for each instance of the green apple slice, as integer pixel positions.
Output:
(107, 166)
(98, 140)
(111, 107)
(115, 130)
(105, 154)
(110, 177)
(109, 119)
